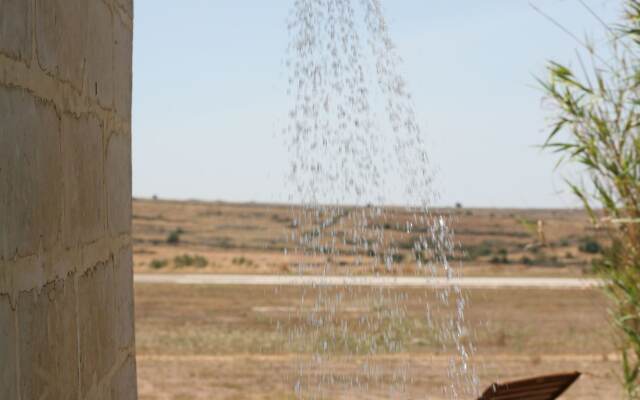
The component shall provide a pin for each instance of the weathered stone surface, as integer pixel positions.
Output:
(122, 56)
(48, 343)
(15, 28)
(8, 343)
(118, 165)
(65, 200)
(123, 384)
(98, 326)
(127, 6)
(123, 292)
(82, 150)
(61, 32)
(30, 174)
(100, 83)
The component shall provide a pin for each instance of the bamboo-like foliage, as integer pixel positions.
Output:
(597, 125)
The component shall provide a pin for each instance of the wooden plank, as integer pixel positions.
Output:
(548, 387)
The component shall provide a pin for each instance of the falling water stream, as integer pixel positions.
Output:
(357, 148)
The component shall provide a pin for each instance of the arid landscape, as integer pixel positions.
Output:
(353, 135)
(202, 342)
(217, 237)
(231, 342)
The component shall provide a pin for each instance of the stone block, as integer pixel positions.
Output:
(100, 53)
(72, 338)
(82, 151)
(123, 292)
(123, 383)
(122, 61)
(126, 5)
(48, 342)
(8, 343)
(61, 35)
(15, 28)
(98, 326)
(118, 177)
(30, 174)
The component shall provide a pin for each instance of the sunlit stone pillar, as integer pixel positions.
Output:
(66, 293)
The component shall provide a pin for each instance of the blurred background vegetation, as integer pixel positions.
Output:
(596, 125)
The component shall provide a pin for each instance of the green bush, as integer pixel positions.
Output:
(174, 236)
(499, 259)
(502, 257)
(158, 264)
(242, 261)
(590, 246)
(481, 250)
(187, 260)
(541, 260)
(526, 260)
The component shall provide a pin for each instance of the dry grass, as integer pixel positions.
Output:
(215, 342)
(200, 342)
(252, 239)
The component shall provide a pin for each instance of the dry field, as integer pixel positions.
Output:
(227, 342)
(215, 237)
(202, 342)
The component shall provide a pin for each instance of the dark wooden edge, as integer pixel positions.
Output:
(567, 380)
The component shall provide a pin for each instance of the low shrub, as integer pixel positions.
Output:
(242, 261)
(187, 260)
(526, 260)
(158, 264)
(541, 260)
(499, 260)
(419, 256)
(174, 236)
(481, 250)
(590, 246)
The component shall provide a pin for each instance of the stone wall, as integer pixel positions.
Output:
(66, 293)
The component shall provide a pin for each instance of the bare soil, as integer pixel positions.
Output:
(201, 342)
(219, 237)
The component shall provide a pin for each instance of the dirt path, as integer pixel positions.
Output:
(369, 281)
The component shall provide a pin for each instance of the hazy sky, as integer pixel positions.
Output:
(210, 95)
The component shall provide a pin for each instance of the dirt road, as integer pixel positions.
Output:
(370, 281)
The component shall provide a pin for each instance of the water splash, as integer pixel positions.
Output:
(356, 147)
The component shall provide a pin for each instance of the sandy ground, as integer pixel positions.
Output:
(230, 342)
(369, 281)
(265, 377)
(251, 238)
